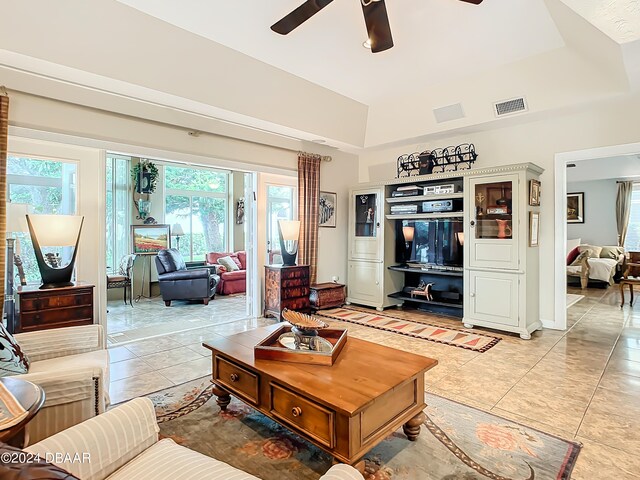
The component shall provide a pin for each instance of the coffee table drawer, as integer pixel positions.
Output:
(302, 413)
(236, 379)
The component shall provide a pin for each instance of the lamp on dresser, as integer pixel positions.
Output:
(55, 231)
(289, 232)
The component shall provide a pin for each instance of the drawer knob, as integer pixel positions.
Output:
(234, 377)
(296, 411)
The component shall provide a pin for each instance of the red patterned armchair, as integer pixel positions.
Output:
(230, 282)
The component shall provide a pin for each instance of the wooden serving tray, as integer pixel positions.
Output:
(271, 349)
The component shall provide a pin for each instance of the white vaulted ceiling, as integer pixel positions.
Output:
(215, 65)
(436, 41)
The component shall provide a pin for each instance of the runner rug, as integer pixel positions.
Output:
(456, 442)
(478, 342)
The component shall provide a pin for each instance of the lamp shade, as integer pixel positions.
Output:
(177, 230)
(408, 233)
(460, 236)
(17, 217)
(56, 230)
(290, 229)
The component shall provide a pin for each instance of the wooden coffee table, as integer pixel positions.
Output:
(345, 409)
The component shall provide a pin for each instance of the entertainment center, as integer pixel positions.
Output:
(455, 243)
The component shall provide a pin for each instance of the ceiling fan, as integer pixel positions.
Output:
(375, 17)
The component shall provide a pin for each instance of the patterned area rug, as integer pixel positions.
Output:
(456, 442)
(478, 342)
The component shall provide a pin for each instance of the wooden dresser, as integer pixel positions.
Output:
(286, 287)
(54, 307)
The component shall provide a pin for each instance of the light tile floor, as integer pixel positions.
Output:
(582, 384)
(150, 317)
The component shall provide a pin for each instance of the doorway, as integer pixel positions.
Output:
(562, 160)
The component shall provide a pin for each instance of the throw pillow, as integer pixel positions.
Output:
(228, 263)
(592, 250)
(611, 252)
(579, 258)
(573, 243)
(13, 361)
(573, 254)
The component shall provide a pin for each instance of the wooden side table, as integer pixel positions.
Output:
(31, 397)
(54, 307)
(327, 295)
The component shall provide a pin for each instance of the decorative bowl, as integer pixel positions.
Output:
(302, 321)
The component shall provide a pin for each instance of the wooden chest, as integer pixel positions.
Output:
(54, 307)
(326, 295)
(286, 287)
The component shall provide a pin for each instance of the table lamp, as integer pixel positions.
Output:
(289, 231)
(408, 233)
(55, 231)
(178, 232)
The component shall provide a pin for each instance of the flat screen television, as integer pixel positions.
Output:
(435, 242)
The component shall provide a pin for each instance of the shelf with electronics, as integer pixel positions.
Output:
(453, 243)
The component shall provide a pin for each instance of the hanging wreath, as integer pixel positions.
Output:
(145, 175)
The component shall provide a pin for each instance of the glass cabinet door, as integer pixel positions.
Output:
(493, 210)
(366, 215)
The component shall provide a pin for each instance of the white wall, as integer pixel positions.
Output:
(610, 123)
(29, 115)
(599, 227)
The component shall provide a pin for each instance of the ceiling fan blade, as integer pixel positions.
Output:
(300, 15)
(475, 2)
(375, 16)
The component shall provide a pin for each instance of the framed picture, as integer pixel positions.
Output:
(534, 229)
(575, 207)
(534, 193)
(150, 239)
(328, 205)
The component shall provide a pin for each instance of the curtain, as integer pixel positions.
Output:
(4, 131)
(623, 209)
(308, 210)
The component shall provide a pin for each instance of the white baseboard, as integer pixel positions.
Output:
(550, 324)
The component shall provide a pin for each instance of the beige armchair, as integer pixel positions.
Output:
(72, 366)
(123, 444)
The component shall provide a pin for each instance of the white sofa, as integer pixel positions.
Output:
(122, 444)
(72, 366)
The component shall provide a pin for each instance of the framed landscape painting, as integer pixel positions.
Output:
(328, 201)
(575, 207)
(150, 239)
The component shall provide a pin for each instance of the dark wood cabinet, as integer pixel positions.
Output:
(54, 307)
(286, 287)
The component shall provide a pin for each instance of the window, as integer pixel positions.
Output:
(632, 242)
(197, 199)
(280, 206)
(118, 209)
(49, 187)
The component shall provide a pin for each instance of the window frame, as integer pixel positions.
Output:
(226, 196)
(112, 157)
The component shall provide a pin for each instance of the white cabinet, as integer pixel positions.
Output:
(371, 250)
(500, 268)
(492, 298)
(366, 238)
(365, 282)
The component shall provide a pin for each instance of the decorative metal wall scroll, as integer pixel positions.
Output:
(449, 159)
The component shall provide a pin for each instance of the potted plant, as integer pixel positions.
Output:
(145, 175)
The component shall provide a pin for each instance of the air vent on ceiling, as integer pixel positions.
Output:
(448, 113)
(509, 107)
